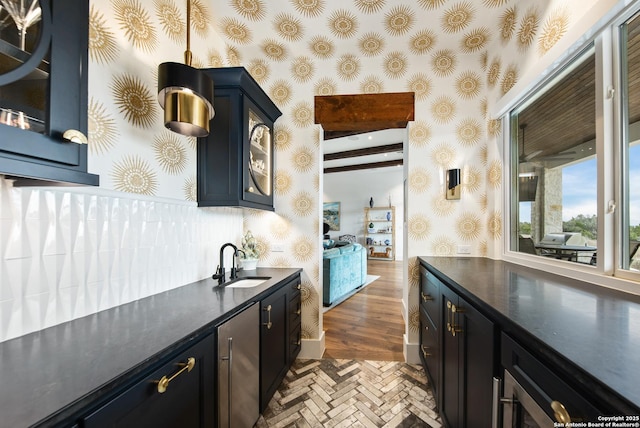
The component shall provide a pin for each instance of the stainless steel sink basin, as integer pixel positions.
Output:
(247, 282)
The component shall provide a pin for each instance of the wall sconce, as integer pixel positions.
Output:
(453, 184)
(185, 93)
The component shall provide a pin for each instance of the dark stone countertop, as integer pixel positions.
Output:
(60, 369)
(590, 332)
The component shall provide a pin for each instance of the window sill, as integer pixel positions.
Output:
(627, 282)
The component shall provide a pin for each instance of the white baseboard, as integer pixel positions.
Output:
(411, 351)
(312, 349)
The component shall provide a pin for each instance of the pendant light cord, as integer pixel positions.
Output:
(187, 53)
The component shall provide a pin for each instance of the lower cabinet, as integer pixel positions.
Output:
(540, 393)
(295, 326)
(180, 392)
(430, 327)
(279, 337)
(459, 356)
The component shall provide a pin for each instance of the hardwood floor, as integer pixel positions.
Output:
(369, 325)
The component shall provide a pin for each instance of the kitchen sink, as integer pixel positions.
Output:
(247, 282)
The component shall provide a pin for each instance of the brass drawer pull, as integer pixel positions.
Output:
(298, 312)
(425, 297)
(455, 329)
(163, 383)
(298, 287)
(560, 412)
(424, 351)
(74, 136)
(268, 323)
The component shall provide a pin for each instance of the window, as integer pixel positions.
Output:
(568, 150)
(554, 173)
(630, 151)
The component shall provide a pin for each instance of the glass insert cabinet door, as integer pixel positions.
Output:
(260, 161)
(43, 90)
(25, 32)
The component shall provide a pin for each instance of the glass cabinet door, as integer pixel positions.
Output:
(24, 63)
(260, 156)
(43, 91)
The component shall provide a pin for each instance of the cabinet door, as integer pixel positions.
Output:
(468, 363)
(295, 327)
(479, 365)
(430, 352)
(236, 160)
(43, 93)
(452, 394)
(430, 295)
(274, 338)
(545, 385)
(188, 400)
(258, 155)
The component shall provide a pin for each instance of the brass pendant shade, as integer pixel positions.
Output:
(186, 95)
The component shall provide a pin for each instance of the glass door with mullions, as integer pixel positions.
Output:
(258, 162)
(24, 63)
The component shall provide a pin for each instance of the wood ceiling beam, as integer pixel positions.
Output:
(364, 112)
(331, 135)
(384, 164)
(377, 150)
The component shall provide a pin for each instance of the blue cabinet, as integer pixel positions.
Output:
(43, 95)
(235, 161)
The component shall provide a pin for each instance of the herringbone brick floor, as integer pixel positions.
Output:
(352, 393)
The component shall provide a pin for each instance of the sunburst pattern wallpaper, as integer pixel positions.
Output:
(458, 56)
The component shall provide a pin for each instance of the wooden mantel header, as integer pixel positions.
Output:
(342, 115)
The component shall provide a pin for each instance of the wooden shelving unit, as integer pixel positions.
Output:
(380, 233)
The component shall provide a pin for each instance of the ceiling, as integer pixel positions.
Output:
(379, 149)
(559, 127)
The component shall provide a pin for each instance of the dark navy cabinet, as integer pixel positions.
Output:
(180, 392)
(236, 159)
(279, 337)
(43, 94)
(458, 352)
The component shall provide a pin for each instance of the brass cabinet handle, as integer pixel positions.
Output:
(163, 383)
(299, 311)
(425, 297)
(560, 412)
(74, 136)
(455, 329)
(449, 315)
(424, 351)
(268, 323)
(299, 287)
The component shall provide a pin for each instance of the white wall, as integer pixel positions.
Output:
(353, 189)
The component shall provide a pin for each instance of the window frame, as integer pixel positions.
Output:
(611, 157)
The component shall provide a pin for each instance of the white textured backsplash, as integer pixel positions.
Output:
(67, 253)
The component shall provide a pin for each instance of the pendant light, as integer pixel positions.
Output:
(185, 93)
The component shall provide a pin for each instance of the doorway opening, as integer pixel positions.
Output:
(364, 178)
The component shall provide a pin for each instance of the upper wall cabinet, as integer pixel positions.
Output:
(235, 162)
(43, 91)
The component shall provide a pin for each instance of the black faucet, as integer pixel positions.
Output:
(219, 275)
